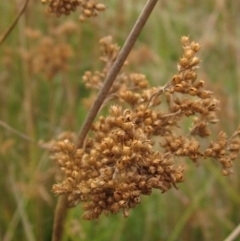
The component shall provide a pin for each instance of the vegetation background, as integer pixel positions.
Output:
(38, 103)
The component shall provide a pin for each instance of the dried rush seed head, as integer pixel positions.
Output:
(121, 162)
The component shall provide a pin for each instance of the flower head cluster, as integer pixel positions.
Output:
(126, 87)
(50, 58)
(120, 161)
(50, 54)
(109, 53)
(116, 167)
(89, 8)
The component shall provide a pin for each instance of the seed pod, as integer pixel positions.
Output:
(100, 7)
(88, 215)
(117, 195)
(213, 105)
(147, 191)
(119, 121)
(189, 53)
(132, 204)
(110, 184)
(192, 91)
(140, 114)
(123, 203)
(160, 170)
(199, 84)
(85, 190)
(126, 195)
(185, 41)
(183, 62)
(75, 175)
(96, 198)
(141, 184)
(115, 110)
(225, 172)
(126, 150)
(116, 150)
(148, 121)
(147, 113)
(89, 5)
(176, 79)
(102, 204)
(204, 94)
(169, 169)
(137, 199)
(195, 46)
(178, 88)
(234, 147)
(136, 145)
(87, 13)
(127, 126)
(194, 61)
(115, 208)
(152, 169)
(108, 172)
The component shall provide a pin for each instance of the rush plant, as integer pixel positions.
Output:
(139, 145)
(140, 135)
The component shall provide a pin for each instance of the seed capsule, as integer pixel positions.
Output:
(100, 7)
(185, 41)
(195, 61)
(189, 54)
(192, 91)
(183, 62)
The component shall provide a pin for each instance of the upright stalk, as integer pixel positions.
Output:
(9, 30)
(61, 209)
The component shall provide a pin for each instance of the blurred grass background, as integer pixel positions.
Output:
(206, 206)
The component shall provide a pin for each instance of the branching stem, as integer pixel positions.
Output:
(116, 67)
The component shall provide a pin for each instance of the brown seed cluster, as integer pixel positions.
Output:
(132, 82)
(115, 168)
(89, 8)
(121, 161)
(109, 53)
(50, 54)
(224, 150)
(50, 58)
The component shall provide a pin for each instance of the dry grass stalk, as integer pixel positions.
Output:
(9, 30)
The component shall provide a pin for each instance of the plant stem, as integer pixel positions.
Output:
(61, 209)
(112, 74)
(9, 30)
(234, 234)
(16, 132)
(59, 217)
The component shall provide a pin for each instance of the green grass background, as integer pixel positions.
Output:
(206, 206)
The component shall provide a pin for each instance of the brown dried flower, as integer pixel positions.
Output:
(50, 54)
(120, 162)
(89, 8)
